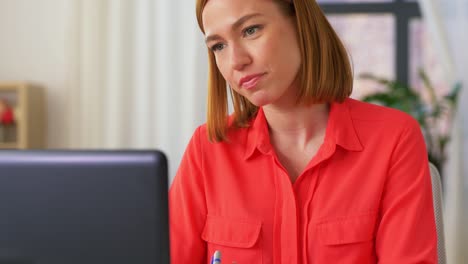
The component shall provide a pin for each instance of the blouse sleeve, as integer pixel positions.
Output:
(187, 207)
(407, 231)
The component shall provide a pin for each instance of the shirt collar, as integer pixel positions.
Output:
(340, 128)
(258, 137)
(340, 131)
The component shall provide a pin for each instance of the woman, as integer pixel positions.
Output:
(299, 173)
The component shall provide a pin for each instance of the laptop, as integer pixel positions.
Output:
(83, 207)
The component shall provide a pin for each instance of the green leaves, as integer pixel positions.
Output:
(453, 95)
(434, 114)
(399, 96)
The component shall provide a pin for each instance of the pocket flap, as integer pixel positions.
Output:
(231, 233)
(347, 230)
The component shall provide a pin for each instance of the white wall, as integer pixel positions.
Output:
(33, 47)
(80, 51)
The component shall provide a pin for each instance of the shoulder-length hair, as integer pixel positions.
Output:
(325, 75)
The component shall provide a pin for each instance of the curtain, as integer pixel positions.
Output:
(447, 21)
(137, 77)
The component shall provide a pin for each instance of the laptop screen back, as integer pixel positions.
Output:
(83, 207)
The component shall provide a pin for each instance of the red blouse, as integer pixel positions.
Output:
(365, 197)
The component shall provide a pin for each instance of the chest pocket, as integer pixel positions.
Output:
(347, 231)
(239, 241)
(350, 240)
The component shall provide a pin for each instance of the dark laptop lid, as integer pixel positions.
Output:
(90, 207)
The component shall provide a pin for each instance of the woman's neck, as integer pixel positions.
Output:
(297, 126)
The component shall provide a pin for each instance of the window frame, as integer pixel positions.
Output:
(403, 11)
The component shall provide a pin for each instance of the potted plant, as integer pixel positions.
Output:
(435, 115)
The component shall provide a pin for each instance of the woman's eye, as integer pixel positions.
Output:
(251, 30)
(217, 47)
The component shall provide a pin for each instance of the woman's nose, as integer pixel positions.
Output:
(239, 57)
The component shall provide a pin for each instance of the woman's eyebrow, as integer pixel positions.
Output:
(234, 26)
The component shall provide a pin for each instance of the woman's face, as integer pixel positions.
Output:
(256, 49)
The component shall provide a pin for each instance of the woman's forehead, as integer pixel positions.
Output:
(231, 7)
(219, 13)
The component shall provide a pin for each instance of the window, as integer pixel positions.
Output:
(386, 38)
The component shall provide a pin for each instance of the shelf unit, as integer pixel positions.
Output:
(28, 102)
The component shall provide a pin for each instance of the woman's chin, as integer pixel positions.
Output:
(260, 103)
(259, 99)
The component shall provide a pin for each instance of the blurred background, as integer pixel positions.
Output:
(131, 74)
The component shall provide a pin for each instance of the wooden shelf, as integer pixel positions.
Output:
(8, 145)
(28, 130)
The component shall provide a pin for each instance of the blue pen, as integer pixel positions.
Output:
(216, 259)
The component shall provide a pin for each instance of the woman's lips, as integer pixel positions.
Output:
(250, 81)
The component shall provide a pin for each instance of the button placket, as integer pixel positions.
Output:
(313, 185)
(287, 219)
